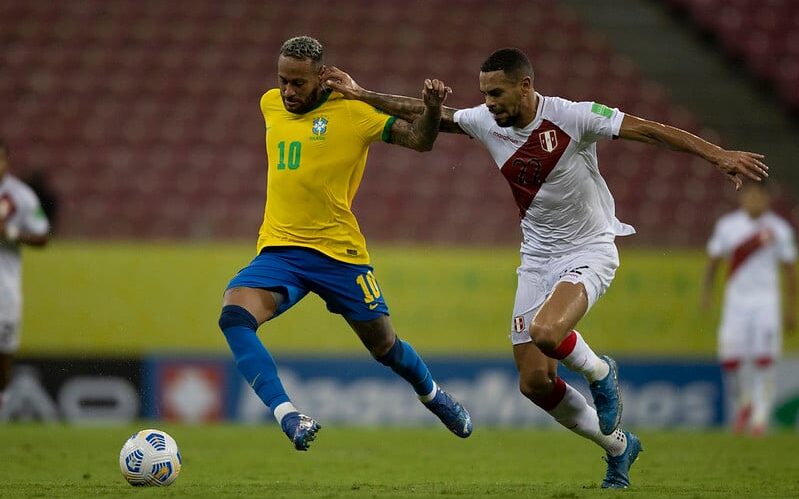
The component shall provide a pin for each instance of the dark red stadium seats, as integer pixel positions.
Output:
(762, 33)
(145, 114)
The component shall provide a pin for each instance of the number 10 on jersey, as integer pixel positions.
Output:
(294, 155)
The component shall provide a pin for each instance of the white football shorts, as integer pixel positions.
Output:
(750, 331)
(594, 266)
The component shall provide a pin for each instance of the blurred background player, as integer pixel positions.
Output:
(758, 245)
(317, 144)
(545, 147)
(22, 221)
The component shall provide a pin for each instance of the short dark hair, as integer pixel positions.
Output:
(510, 60)
(303, 47)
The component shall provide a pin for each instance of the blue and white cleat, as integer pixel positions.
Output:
(618, 474)
(300, 429)
(451, 413)
(607, 398)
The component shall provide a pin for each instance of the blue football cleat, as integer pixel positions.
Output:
(618, 474)
(451, 413)
(300, 429)
(607, 398)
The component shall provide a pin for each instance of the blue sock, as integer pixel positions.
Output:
(252, 358)
(403, 360)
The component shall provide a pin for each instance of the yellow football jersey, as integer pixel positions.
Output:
(315, 165)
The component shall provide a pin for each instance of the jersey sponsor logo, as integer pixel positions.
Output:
(549, 140)
(504, 137)
(601, 110)
(319, 127)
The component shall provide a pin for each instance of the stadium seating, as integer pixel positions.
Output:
(764, 34)
(145, 114)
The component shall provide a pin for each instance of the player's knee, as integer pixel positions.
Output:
(547, 335)
(536, 384)
(234, 316)
(380, 347)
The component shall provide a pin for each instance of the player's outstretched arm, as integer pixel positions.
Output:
(406, 108)
(421, 133)
(734, 164)
(15, 235)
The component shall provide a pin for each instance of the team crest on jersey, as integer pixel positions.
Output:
(518, 324)
(549, 140)
(319, 128)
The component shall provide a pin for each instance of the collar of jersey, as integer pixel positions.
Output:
(325, 95)
(537, 119)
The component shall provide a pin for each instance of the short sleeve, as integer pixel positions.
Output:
(715, 246)
(266, 102)
(30, 216)
(597, 121)
(468, 120)
(35, 220)
(370, 123)
(786, 244)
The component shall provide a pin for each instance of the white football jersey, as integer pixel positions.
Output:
(755, 248)
(19, 207)
(551, 166)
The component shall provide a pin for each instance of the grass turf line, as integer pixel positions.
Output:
(245, 461)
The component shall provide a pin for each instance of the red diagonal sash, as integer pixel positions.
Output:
(749, 247)
(528, 168)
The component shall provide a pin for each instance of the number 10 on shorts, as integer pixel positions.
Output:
(368, 284)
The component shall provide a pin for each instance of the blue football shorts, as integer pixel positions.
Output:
(347, 289)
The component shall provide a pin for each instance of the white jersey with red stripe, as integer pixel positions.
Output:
(19, 208)
(755, 248)
(552, 169)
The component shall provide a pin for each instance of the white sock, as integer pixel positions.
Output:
(575, 414)
(282, 409)
(430, 396)
(583, 360)
(762, 395)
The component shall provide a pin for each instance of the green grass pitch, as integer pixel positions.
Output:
(248, 461)
(127, 299)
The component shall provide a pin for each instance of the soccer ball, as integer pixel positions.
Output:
(150, 457)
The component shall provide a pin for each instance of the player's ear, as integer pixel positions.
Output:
(527, 84)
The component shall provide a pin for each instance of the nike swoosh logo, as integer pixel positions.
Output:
(373, 306)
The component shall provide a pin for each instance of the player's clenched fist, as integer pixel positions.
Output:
(434, 93)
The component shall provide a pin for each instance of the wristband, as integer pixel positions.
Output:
(12, 233)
